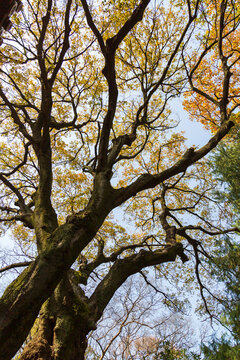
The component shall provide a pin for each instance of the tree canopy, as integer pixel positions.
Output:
(88, 140)
(225, 164)
(225, 266)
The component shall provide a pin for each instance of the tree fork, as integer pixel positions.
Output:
(22, 300)
(63, 325)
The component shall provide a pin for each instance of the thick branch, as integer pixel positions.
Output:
(28, 292)
(22, 300)
(15, 265)
(20, 202)
(191, 156)
(93, 26)
(45, 22)
(15, 116)
(23, 162)
(88, 268)
(136, 16)
(110, 74)
(206, 231)
(65, 45)
(123, 268)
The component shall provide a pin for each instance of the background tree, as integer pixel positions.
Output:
(90, 133)
(137, 325)
(225, 164)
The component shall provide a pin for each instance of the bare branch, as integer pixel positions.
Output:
(15, 265)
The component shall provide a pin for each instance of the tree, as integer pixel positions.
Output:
(222, 350)
(6, 10)
(226, 263)
(137, 325)
(225, 164)
(226, 269)
(90, 133)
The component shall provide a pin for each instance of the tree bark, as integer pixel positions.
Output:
(61, 330)
(22, 300)
(68, 316)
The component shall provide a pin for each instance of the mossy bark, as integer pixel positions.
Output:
(62, 327)
(22, 300)
(69, 315)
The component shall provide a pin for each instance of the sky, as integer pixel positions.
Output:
(194, 131)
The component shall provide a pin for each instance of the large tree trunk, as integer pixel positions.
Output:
(22, 300)
(61, 330)
(68, 315)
